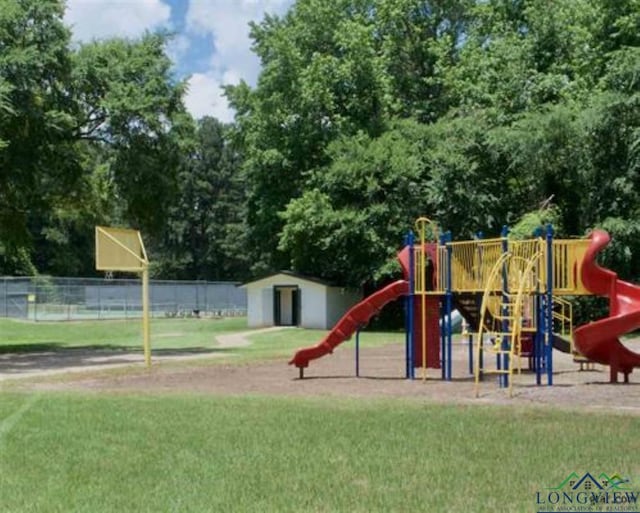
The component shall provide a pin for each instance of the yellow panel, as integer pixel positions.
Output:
(119, 249)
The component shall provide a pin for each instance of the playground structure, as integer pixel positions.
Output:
(511, 293)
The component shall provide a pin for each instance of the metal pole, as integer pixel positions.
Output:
(504, 346)
(410, 305)
(407, 335)
(539, 337)
(35, 299)
(549, 306)
(478, 298)
(423, 301)
(443, 336)
(146, 339)
(470, 348)
(540, 318)
(358, 353)
(443, 316)
(449, 301)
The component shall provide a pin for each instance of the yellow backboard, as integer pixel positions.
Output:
(119, 249)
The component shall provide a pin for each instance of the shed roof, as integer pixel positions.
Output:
(293, 275)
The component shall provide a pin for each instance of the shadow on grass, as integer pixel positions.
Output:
(23, 358)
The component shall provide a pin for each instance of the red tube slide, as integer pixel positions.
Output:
(599, 341)
(357, 317)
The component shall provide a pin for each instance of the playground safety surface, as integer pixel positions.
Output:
(381, 376)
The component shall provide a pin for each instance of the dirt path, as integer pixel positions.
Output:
(382, 376)
(47, 363)
(240, 339)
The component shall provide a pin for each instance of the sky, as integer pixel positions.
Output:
(211, 44)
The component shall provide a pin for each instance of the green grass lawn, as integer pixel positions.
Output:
(124, 334)
(76, 453)
(166, 334)
(278, 344)
(195, 453)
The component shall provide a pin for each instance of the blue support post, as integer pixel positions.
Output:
(410, 303)
(449, 307)
(443, 339)
(407, 332)
(504, 344)
(443, 322)
(358, 352)
(549, 308)
(538, 340)
(479, 235)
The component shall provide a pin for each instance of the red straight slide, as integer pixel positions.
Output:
(599, 341)
(357, 317)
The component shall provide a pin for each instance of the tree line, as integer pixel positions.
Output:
(366, 114)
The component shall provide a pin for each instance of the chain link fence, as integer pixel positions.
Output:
(43, 298)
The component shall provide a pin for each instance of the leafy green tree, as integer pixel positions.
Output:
(204, 237)
(350, 224)
(87, 135)
(129, 101)
(321, 79)
(38, 161)
(418, 41)
(330, 71)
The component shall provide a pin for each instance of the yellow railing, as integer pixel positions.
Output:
(563, 317)
(426, 274)
(471, 263)
(567, 265)
(473, 260)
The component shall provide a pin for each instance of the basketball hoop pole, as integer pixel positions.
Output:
(120, 249)
(146, 339)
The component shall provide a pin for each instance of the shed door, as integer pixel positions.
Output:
(297, 307)
(286, 305)
(277, 306)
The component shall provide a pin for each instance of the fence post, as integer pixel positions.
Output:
(35, 300)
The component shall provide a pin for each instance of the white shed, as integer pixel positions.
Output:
(290, 299)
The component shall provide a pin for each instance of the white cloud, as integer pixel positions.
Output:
(178, 47)
(224, 22)
(204, 97)
(99, 19)
(227, 23)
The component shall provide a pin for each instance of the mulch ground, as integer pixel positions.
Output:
(381, 376)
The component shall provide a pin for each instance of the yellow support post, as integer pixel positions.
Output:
(421, 228)
(146, 337)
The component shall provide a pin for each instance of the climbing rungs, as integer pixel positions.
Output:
(498, 352)
(498, 317)
(495, 371)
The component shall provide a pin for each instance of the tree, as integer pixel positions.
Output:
(204, 234)
(321, 78)
(349, 225)
(129, 101)
(38, 161)
(330, 71)
(88, 135)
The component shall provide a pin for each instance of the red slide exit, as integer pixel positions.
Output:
(599, 341)
(357, 317)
